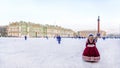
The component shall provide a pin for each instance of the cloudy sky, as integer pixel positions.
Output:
(74, 14)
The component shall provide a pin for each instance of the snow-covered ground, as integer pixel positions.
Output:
(43, 53)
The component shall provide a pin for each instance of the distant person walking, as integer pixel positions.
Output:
(46, 37)
(103, 38)
(91, 52)
(25, 37)
(58, 39)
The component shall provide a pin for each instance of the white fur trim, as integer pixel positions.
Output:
(86, 58)
(90, 45)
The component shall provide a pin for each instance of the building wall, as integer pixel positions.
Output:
(53, 31)
(3, 31)
(13, 30)
(86, 33)
(20, 29)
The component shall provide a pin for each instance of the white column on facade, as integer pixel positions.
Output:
(28, 31)
(19, 31)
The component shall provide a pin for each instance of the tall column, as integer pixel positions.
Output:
(98, 24)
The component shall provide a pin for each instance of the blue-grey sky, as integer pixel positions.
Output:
(74, 14)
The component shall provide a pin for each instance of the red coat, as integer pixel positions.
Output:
(91, 52)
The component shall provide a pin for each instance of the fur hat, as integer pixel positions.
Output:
(91, 35)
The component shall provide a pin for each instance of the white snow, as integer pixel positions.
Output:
(43, 53)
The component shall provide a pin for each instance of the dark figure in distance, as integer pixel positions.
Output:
(25, 37)
(58, 39)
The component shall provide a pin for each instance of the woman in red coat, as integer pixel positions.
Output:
(91, 52)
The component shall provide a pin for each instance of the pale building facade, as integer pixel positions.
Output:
(21, 29)
(53, 31)
(85, 33)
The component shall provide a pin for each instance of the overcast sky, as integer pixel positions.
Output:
(74, 14)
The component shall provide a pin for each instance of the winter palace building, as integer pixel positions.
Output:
(21, 29)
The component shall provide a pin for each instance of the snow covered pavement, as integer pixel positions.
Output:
(43, 53)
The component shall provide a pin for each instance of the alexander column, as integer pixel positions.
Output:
(98, 31)
(98, 24)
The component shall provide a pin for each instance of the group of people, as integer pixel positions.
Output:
(57, 37)
(90, 52)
